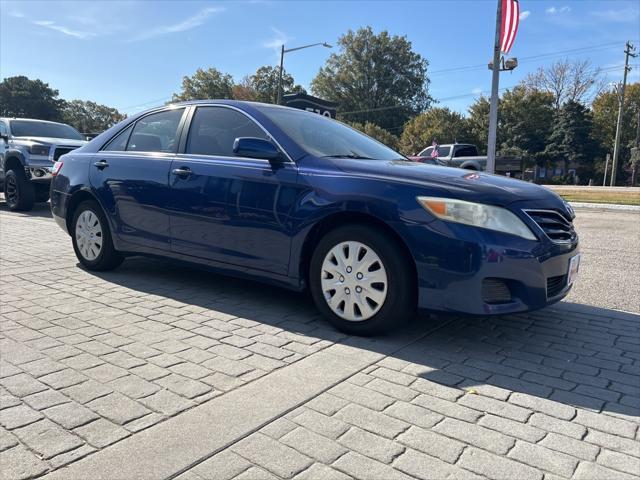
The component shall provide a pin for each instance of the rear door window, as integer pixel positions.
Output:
(157, 132)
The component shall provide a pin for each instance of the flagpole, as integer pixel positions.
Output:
(495, 82)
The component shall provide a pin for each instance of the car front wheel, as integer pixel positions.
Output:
(18, 191)
(362, 281)
(91, 238)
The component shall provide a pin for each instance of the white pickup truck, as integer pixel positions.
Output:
(465, 155)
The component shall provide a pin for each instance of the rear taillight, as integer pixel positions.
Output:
(56, 168)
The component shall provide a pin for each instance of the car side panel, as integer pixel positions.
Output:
(134, 192)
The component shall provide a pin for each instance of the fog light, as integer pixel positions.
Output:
(495, 290)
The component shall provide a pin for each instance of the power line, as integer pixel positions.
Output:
(529, 57)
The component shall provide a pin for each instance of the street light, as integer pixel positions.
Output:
(282, 52)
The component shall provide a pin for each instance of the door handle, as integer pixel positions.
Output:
(182, 172)
(101, 164)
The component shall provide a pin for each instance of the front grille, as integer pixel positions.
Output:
(555, 285)
(555, 225)
(58, 152)
(495, 291)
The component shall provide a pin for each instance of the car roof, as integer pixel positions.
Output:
(31, 120)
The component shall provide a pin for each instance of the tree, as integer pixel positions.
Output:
(571, 140)
(567, 81)
(90, 117)
(525, 117)
(605, 117)
(23, 97)
(378, 78)
(380, 134)
(265, 83)
(244, 90)
(436, 124)
(478, 123)
(205, 84)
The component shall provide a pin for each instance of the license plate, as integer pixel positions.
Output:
(574, 266)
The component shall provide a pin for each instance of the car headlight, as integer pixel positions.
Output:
(476, 214)
(39, 150)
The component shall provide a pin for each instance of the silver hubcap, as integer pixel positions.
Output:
(354, 281)
(89, 235)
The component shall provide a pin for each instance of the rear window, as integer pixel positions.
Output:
(467, 151)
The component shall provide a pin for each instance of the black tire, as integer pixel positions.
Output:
(400, 302)
(41, 192)
(108, 257)
(18, 191)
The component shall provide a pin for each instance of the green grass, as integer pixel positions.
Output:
(620, 198)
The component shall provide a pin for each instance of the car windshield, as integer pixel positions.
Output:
(327, 138)
(29, 128)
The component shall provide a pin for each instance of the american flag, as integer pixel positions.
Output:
(509, 25)
(434, 152)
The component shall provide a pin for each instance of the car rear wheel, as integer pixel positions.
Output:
(92, 239)
(361, 280)
(18, 191)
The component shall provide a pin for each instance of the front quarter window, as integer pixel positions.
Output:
(326, 138)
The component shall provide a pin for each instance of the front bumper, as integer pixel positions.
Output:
(39, 173)
(453, 261)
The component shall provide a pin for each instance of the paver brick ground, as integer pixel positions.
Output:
(88, 360)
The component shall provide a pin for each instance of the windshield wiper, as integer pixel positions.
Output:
(348, 155)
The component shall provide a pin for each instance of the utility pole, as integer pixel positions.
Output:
(495, 83)
(629, 52)
(606, 168)
(279, 92)
(635, 153)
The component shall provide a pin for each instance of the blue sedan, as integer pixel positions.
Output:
(304, 202)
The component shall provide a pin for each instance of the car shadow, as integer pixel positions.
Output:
(573, 354)
(42, 210)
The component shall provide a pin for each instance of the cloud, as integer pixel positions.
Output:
(16, 14)
(187, 24)
(62, 29)
(556, 10)
(278, 40)
(524, 15)
(477, 91)
(626, 15)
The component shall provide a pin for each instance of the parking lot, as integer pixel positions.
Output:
(162, 371)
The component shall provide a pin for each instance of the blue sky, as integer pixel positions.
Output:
(133, 55)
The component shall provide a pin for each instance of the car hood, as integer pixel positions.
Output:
(52, 141)
(459, 183)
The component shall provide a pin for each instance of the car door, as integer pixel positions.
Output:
(130, 175)
(227, 208)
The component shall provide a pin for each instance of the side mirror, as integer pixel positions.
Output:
(255, 148)
(4, 137)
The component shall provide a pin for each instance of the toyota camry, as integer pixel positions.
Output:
(302, 201)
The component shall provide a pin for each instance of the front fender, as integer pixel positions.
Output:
(12, 153)
(326, 196)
